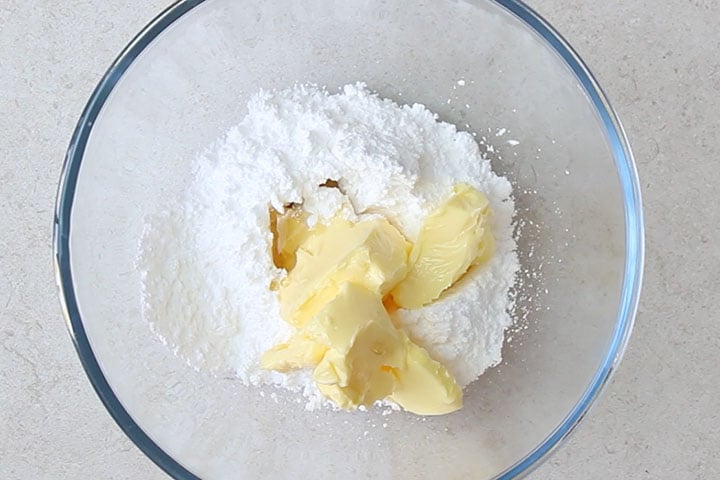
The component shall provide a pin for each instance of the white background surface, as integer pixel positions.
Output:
(659, 61)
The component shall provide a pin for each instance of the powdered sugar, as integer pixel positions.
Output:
(207, 264)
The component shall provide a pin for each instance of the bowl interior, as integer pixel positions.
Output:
(190, 84)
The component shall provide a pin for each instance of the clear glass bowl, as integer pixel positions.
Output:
(185, 80)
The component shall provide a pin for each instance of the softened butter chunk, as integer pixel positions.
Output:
(344, 281)
(452, 239)
(361, 357)
(364, 348)
(369, 359)
(371, 253)
(289, 232)
(299, 351)
(425, 386)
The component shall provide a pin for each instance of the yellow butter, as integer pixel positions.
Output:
(371, 253)
(425, 386)
(289, 232)
(299, 351)
(452, 239)
(344, 281)
(363, 346)
(365, 358)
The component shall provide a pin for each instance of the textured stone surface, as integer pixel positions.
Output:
(658, 62)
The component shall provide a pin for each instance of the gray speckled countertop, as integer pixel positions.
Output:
(657, 60)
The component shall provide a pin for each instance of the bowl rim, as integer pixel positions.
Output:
(634, 237)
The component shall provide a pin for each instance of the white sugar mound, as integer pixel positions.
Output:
(206, 261)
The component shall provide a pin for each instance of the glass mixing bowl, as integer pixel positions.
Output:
(483, 65)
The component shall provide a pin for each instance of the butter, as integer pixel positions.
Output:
(361, 357)
(299, 351)
(364, 348)
(345, 279)
(425, 386)
(289, 232)
(369, 359)
(371, 253)
(453, 238)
